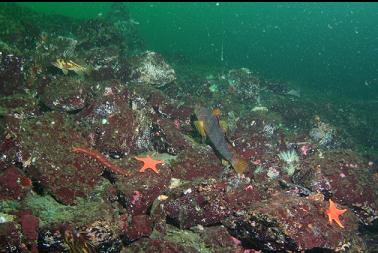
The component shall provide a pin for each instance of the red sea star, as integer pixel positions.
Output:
(149, 163)
(334, 213)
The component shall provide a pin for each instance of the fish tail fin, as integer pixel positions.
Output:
(82, 72)
(239, 165)
(88, 70)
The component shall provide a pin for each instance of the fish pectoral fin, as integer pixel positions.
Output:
(88, 70)
(223, 125)
(65, 71)
(203, 139)
(199, 124)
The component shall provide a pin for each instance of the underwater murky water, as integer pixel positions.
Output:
(329, 47)
(188, 127)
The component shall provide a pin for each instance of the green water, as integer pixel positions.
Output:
(329, 49)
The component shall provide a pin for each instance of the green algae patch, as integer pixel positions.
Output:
(50, 211)
(186, 238)
(7, 206)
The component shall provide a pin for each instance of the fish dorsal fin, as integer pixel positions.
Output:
(216, 112)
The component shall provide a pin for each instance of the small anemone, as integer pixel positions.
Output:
(291, 158)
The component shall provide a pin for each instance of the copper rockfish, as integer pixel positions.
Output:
(66, 65)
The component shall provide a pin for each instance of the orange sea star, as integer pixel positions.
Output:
(334, 213)
(149, 163)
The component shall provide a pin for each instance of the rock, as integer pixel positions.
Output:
(11, 74)
(152, 246)
(255, 147)
(8, 146)
(323, 134)
(218, 239)
(255, 135)
(51, 240)
(19, 105)
(10, 237)
(294, 113)
(202, 239)
(171, 109)
(210, 201)
(103, 235)
(251, 146)
(150, 68)
(119, 16)
(246, 84)
(45, 150)
(119, 123)
(204, 204)
(52, 46)
(65, 93)
(105, 63)
(98, 32)
(137, 227)
(98, 236)
(13, 184)
(345, 177)
(29, 226)
(167, 138)
(138, 192)
(242, 195)
(22, 26)
(288, 222)
(12, 29)
(197, 163)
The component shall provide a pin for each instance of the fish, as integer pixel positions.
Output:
(208, 126)
(66, 65)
